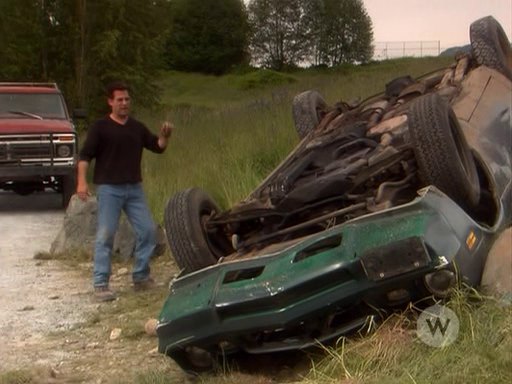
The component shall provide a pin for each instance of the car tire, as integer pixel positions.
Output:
(490, 45)
(68, 189)
(192, 246)
(442, 153)
(308, 109)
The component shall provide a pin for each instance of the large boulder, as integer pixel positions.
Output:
(497, 275)
(79, 230)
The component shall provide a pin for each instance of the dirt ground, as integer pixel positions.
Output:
(49, 322)
(53, 331)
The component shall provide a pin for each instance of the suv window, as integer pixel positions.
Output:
(38, 105)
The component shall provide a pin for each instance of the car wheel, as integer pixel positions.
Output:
(68, 189)
(490, 45)
(442, 153)
(308, 109)
(192, 244)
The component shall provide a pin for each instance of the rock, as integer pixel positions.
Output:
(497, 275)
(53, 297)
(122, 271)
(53, 372)
(153, 352)
(79, 231)
(40, 255)
(150, 327)
(27, 308)
(115, 334)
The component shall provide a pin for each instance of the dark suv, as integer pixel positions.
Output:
(387, 202)
(38, 141)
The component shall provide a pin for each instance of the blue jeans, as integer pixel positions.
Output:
(112, 199)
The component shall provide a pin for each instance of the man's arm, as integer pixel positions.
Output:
(82, 189)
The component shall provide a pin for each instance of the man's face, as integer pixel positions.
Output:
(120, 103)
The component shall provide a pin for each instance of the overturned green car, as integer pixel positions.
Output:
(381, 203)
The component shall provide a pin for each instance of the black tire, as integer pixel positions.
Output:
(192, 246)
(308, 109)
(490, 45)
(443, 155)
(68, 189)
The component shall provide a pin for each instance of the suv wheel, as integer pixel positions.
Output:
(490, 45)
(193, 245)
(443, 155)
(308, 110)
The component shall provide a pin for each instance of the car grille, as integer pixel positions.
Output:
(32, 149)
(24, 151)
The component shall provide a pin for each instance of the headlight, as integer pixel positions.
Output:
(63, 150)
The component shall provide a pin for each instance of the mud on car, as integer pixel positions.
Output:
(383, 202)
(38, 141)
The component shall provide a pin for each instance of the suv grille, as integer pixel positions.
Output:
(35, 149)
(21, 151)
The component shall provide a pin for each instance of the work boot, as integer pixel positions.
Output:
(104, 293)
(144, 285)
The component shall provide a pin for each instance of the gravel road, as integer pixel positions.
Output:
(36, 296)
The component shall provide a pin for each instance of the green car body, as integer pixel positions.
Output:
(327, 282)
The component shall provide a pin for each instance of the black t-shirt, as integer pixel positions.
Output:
(117, 149)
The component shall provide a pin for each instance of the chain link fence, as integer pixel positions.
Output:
(384, 50)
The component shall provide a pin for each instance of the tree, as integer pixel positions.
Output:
(84, 44)
(287, 33)
(340, 30)
(21, 40)
(278, 35)
(109, 40)
(208, 36)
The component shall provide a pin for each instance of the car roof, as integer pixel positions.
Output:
(29, 88)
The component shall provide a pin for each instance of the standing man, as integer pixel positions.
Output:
(116, 143)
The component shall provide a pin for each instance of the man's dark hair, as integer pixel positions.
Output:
(116, 86)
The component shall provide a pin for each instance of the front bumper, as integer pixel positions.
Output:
(320, 288)
(36, 172)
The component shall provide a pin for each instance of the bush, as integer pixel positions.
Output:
(263, 78)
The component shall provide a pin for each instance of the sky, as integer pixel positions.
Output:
(446, 21)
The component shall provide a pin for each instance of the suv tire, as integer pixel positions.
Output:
(308, 110)
(490, 45)
(443, 155)
(185, 218)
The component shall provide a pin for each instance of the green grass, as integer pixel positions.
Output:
(482, 352)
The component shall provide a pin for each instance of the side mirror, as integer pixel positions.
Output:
(79, 113)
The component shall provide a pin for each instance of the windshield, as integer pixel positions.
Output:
(34, 105)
